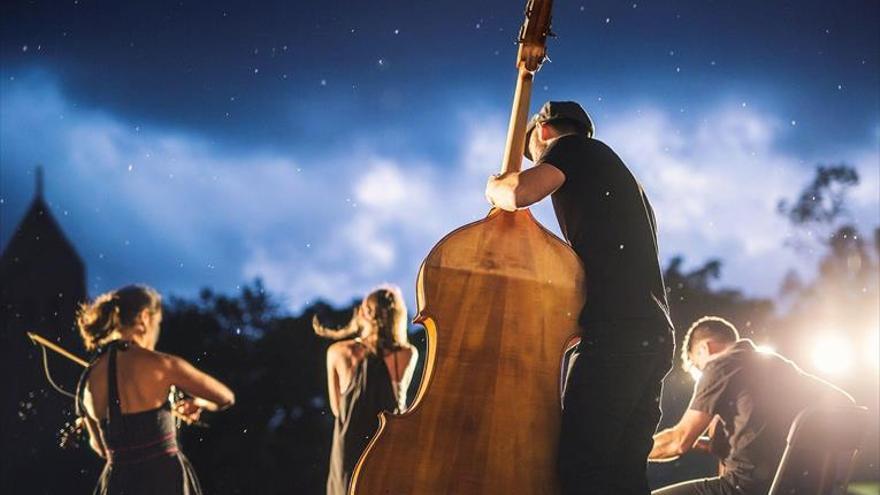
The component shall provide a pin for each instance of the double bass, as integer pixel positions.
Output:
(499, 299)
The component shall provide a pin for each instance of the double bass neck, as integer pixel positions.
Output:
(531, 54)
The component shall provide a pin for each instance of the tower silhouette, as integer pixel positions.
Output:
(42, 280)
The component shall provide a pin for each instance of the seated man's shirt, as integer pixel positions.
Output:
(757, 394)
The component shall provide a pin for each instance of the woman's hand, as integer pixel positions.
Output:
(188, 409)
(210, 394)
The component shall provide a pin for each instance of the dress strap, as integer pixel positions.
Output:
(114, 405)
(79, 405)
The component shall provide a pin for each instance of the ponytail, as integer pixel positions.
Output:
(389, 321)
(351, 329)
(100, 320)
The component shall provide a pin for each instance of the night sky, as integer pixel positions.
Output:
(326, 146)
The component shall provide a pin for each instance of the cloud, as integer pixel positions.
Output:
(715, 187)
(158, 205)
(180, 211)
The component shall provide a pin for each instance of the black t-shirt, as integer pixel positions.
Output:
(606, 217)
(757, 394)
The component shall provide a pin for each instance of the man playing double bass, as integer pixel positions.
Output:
(613, 384)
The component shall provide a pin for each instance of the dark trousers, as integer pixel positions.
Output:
(611, 408)
(707, 486)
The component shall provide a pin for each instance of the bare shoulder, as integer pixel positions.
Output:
(341, 349)
(164, 361)
(143, 359)
(97, 374)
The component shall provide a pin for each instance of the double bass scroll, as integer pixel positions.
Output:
(530, 56)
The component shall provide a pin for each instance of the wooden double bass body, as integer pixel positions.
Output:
(500, 299)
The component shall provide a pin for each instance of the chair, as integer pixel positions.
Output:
(822, 446)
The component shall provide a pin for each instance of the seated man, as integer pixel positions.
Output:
(755, 394)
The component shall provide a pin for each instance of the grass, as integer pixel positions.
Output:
(864, 488)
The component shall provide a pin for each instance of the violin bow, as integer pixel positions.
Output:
(45, 343)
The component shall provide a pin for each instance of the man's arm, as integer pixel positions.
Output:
(516, 190)
(673, 442)
(715, 440)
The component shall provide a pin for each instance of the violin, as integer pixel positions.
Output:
(72, 433)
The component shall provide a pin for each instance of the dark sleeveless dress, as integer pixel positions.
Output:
(369, 392)
(142, 453)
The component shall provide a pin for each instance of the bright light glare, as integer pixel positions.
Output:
(765, 349)
(874, 349)
(832, 354)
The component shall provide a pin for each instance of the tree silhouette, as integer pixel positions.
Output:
(840, 299)
(820, 206)
(824, 199)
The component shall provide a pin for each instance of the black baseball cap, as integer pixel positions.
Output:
(559, 110)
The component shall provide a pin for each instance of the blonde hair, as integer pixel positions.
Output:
(389, 320)
(100, 320)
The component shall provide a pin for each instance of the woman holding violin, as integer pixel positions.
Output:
(124, 396)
